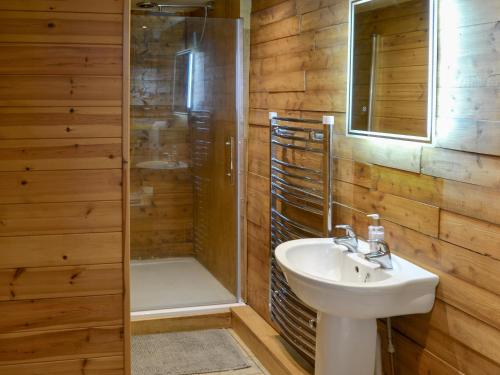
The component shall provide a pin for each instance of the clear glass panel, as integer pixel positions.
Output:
(184, 121)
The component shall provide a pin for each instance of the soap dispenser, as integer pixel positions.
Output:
(375, 231)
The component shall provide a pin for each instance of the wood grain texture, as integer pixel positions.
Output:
(88, 6)
(32, 91)
(50, 282)
(60, 59)
(90, 366)
(181, 323)
(28, 347)
(60, 122)
(38, 315)
(439, 205)
(61, 229)
(60, 154)
(52, 27)
(59, 250)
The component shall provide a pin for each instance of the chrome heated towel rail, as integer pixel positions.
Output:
(301, 207)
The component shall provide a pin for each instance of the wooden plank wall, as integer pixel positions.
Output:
(440, 205)
(61, 244)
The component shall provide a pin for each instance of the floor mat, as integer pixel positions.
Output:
(184, 353)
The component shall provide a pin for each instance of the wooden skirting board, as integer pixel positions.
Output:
(267, 345)
(181, 323)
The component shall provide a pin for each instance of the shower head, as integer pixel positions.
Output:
(147, 4)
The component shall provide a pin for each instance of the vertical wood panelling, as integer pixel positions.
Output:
(439, 204)
(61, 155)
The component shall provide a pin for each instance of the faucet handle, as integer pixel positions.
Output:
(348, 230)
(381, 247)
(382, 254)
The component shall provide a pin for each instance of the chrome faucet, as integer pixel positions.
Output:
(350, 240)
(382, 254)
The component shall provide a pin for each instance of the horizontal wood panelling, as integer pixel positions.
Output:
(439, 204)
(276, 30)
(460, 166)
(49, 27)
(55, 154)
(294, 81)
(60, 122)
(58, 250)
(470, 135)
(272, 12)
(39, 315)
(60, 91)
(60, 186)
(60, 345)
(89, 366)
(92, 6)
(334, 14)
(479, 236)
(411, 356)
(468, 265)
(299, 43)
(60, 218)
(438, 342)
(61, 229)
(60, 59)
(50, 282)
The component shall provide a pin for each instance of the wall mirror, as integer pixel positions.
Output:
(183, 82)
(392, 62)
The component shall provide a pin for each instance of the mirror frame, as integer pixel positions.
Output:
(431, 87)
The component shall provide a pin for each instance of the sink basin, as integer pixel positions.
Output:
(350, 293)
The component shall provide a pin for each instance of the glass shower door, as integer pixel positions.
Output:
(185, 121)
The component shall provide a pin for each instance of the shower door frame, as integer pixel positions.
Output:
(239, 199)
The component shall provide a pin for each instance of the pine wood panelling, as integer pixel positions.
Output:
(59, 250)
(460, 166)
(51, 282)
(470, 135)
(90, 366)
(60, 186)
(334, 14)
(60, 345)
(439, 204)
(56, 154)
(38, 315)
(479, 236)
(51, 27)
(60, 91)
(60, 218)
(61, 224)
(270, 14)
(276, 30)
(294, 81)
(92, 6)
(60, 122)
(57, 59)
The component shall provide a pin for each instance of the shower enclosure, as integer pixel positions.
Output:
(185, 140)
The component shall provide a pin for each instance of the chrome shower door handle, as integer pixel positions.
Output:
(229, 159)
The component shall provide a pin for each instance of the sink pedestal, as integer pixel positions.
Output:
(345, 346)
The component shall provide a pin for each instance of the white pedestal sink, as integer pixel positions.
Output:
(350, 293)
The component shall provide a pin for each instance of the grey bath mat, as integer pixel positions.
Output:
(183, 353)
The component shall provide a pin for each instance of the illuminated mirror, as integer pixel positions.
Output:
(391, 82)
(183, 82)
